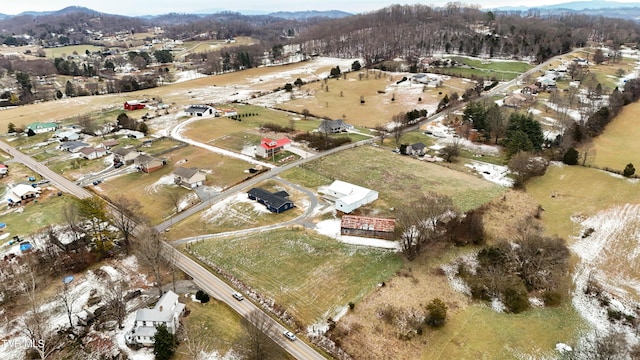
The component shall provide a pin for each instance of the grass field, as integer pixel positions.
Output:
(614, 148)
(36, 215)
(578, 191)
(395, 176)
(310, 275)
(57, 52)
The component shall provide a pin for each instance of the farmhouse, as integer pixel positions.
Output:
(276, 202)
(167, 311)
(530, 89)
(124, 155)
(416, 149)
(73, 146)
(189, 177)
(269, 147)
(363, 226)
(200, 110)
(348, 197)
(147, 163)
(21, 193)
(333, 126)
(91, 153)
(40, 128)
(133, 105)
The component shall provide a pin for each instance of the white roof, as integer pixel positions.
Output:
(22, 189)
(163, 311)
(350, 193)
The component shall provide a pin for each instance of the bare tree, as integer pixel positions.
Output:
(67, 300)
(382, 131)
(587, 153)
(198, 343)
(114, 294)
(173, 198)
(126, 217)
(451, 151)
(70, 214)
(256, 344)
(524, 165)
(149, 253)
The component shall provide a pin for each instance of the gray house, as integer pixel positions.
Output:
(333, 126)
(189, 177)
(167, 311)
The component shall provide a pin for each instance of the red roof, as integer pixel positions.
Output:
(273, 144)
(367, 223)
(3, 166)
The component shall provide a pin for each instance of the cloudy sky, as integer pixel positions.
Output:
(153, 7)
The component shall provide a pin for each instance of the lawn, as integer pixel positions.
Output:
(38, 214)
(396, 176)
(56, 52)
(310, 275)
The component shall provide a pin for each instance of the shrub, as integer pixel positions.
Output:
(351, 305)
(552, 298)
(202, 296)
(571, 157)
(629, 170)
(516, 300)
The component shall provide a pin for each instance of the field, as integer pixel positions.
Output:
(63, 51)
(312, 276)
(500, 70)
(382, 95)
(615, 147)
(394, 176)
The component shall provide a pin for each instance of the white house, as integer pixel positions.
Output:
(167, 311)
(348, 197)
(91, 153)
(200, 110)
(22, 193)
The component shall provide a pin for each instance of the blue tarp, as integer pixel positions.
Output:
(25, 246)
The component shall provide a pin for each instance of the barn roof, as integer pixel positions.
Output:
(367, 223)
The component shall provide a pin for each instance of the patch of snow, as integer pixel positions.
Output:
(563, 348)
(497, 305)
(497, 174)
(164, 180)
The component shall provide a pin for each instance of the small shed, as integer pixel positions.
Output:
(133, 105)
(276, 202)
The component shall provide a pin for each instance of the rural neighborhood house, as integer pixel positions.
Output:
(276, 202)
(167, 311)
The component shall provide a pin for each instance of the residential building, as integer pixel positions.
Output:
(4, 170)
(276, 202)
(147, 163)
(91, 153)
(22, 193)
(363, 226)
(189, 177)
(167, 311)
(348, 197)
(269, 147)
(73, 146)
(125, 155)
(200, 110)
(417, 149)
(333, 126)
(41, 127)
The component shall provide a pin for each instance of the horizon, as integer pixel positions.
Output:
(120, 7)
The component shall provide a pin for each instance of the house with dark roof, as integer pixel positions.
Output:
(167, 311)
(200, 110)
(364, 226)
(189, 177)
(73, 146)
(333, 126)
(147, 163)
(276, 202)
(417, 149)
(269, 147)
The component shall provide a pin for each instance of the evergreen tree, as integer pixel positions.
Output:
(437, 313)
(571, 156)
(629, 170)
(164, 343)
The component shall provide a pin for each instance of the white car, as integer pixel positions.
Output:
(289, 335)
(238, 296)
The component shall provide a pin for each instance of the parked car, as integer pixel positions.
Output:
(118, 165)
(97, 182)
(43, 181)
(238, 296)
(289, 335)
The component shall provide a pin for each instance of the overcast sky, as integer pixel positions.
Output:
(154, 7)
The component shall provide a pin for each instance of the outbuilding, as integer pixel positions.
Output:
(348, 197)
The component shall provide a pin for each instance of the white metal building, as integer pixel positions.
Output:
(348, 197)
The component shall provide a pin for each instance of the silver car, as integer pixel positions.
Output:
(289, 335)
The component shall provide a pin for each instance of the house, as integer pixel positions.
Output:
(348, 197)
(133, 105)
(73, 146)
(333, 126)
(167, 311)
(22, 193)
(530, 89)
(41, 127)
(200, 110)
(67, 135)
(131, 134)
(416, 149)
(189, 177)
(147, 163)
(517, 100)
(108, 144)
(125, 155)
(363, 226)
(269, 147)
(91, 153)
(4, 169)
(276, 202)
